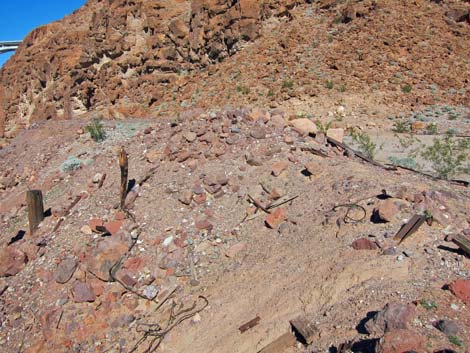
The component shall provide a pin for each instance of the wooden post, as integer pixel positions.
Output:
(35, 209)
(123, 164)
(463, 243)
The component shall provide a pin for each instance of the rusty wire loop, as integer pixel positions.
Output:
(352, 206)
(157, 333)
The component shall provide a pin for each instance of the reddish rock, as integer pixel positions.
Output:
(399, 341)
(186, 197)
(258, 133)
(336, 134)
(304, 126)
(274, 219)
(277, 193)
(120, 216)
(204, 225)
(387, 210)
(183, 156)
(278, 167)
(190, 136)
(83, 292)
(364, 244)
(114, 226)
(253, 160)
(153, 156)
(235, 249)
(133, 263)
(95, 222)
(65, 270)
(104, 255)
(200, 199)
(392, 317)
(97, 286)
(30, 250)
(313, 169)
(12, 261)
(461, 289)
(258, 114)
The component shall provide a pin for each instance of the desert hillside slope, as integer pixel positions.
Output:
(149, 58)
(240, 176)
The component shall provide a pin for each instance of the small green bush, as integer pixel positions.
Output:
(407, 162)
(329, 84)
(401, 127)
(96, 130)
(323, 128)
(287, 84)
(431, 129)
(455, 340)
(365, 143)
(428, 305)
(407, 88)
(446, 156)
(243, 89)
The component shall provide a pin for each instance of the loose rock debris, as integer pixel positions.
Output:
(116, 271)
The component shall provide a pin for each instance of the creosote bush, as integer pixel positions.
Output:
(96, 130)
(365, 143)
(446, 155)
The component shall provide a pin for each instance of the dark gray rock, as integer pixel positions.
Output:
(392, 316)
(449, 327)
(65, 270)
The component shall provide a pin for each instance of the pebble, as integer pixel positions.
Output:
(97, 178)
(276, 217)
(150, 292)
(167, 241)
(253, 161)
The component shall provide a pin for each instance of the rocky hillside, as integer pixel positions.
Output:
(122, 58)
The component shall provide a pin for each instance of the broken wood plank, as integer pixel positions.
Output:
(314, 150)
(305, 330)
(249, 324)
(409, 228)
(279, 345)
(283, 200)
(357, 153)
(35, 209)
(462, 242)
(433, 177)
(124, 166)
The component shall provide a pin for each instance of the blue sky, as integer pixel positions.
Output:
(19, 17)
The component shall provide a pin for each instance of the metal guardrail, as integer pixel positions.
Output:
(7, 46)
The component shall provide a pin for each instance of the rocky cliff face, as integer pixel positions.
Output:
(124, 58)
(123, 54)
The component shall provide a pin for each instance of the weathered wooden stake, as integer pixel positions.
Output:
(123, 164)
(35, 209)
(463, 243)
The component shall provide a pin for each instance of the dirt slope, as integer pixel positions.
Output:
(192, 231)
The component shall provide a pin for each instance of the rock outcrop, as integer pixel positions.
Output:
(127, 55)
(121, 58)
